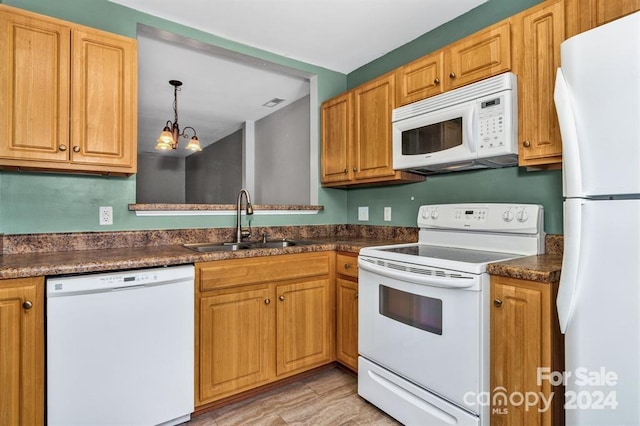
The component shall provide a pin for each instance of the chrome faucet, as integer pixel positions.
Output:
(240, 234)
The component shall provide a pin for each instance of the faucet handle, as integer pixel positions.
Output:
(264, 237)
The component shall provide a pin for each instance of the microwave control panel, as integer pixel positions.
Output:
(492, 124)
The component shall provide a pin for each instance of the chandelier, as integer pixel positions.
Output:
(171, 134)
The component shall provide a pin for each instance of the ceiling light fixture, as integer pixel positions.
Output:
(171, 133)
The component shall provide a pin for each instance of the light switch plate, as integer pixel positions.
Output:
(363, 213)
(387, 214)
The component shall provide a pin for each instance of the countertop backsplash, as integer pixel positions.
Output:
(39, 243)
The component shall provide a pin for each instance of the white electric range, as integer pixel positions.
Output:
(424, 311)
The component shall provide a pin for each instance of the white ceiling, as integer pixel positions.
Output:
(219, 93)
(340, 35)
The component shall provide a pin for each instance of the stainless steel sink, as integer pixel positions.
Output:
(274, 244)
(214, 247)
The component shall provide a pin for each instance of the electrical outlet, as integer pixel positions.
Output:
(387, 214)
(363, 213)
(106, 215)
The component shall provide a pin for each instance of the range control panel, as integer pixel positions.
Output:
(511, 218)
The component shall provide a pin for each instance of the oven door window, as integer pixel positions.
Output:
(433, 137)
(417, 311)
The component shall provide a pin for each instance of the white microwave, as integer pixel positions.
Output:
(472, 127)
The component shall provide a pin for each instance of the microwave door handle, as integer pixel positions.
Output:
(471, 128)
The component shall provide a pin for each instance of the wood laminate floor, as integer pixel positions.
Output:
(328, 398)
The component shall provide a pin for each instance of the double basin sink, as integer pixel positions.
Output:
(214, 247)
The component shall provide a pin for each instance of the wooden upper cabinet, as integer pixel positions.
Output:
(538, 33)
(22, 351)
(476, 57)
(373, 105)
(337, 139)
(104, 100)
(420, 79)
(34, 81)
(597, 12)
(356, 137)
(69, 96)
(481, 55)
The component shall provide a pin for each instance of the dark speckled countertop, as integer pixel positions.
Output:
(542, 268)
(58, 254)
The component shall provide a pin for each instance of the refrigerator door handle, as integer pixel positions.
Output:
(569, 279)
(572, 169)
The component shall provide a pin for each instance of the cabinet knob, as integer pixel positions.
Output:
(452, 75)
(347, 266)
(497, 303)
(267, 301)
(436, 81)
(356, 295)
(76, 148)
(355, 169)
(281, 297)
(27, 304)
(526, 144)
(62, 147)
(346, 171)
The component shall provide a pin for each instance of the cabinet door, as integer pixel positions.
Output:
(347, 323)
(304, 325)
(236, 345)
(34, 82)
(597, 12)
(478, 56)
(420, 79)
(373, 104)
(104, 101)
(540, 33)
(22, 352)
(520, 344)
(337, 139)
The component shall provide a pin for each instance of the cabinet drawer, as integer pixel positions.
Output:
(235, 272)
(347, 265)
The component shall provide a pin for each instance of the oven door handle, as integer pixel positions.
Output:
(430, 280)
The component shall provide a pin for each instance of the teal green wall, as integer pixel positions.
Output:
(47, 202)
(503, 185)
(37, 202)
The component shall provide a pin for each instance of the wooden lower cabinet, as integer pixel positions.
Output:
(279, 324)
(525, 337)
(22, 351)
(235, 332)
(347, 310)
(304, 325)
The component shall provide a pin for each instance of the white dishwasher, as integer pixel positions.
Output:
(120, 347)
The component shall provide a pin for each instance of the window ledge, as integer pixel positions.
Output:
(219, 209)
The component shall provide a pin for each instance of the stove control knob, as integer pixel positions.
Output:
(522, 216)
(507, 216)
(426, 214)
(434, 214)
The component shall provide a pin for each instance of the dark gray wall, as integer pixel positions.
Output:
(282, 156)
(160, 179)
(214, 176)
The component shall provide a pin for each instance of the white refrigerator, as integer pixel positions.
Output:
(597, 97)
